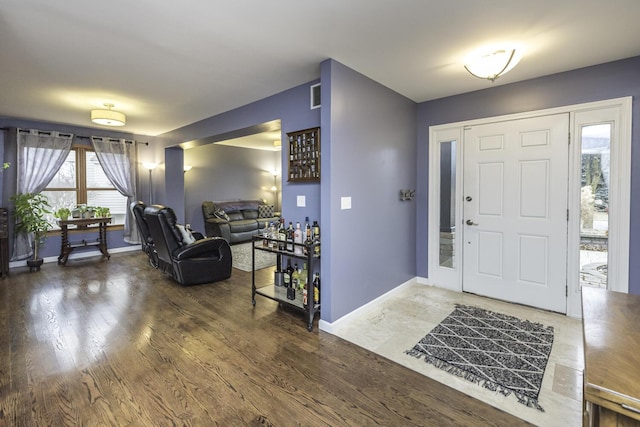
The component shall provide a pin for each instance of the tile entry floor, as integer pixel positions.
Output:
(396, 324)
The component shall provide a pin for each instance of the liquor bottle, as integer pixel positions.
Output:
(316, 237)
(304, 276)
(295, 277)
(305, 296)
(308, 241)
(316, 288)
(287, 274)
(297, 238)
(282, 236)
(290, 237)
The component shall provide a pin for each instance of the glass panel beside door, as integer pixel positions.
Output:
(447, 204)
(594, 204)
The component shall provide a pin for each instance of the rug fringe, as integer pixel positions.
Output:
(488, 384)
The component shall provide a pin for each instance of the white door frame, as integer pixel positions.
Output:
(619, 200)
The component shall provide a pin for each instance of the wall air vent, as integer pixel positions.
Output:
(315, 96)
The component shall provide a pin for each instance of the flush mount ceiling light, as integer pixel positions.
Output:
(492, 65)
(108, 117)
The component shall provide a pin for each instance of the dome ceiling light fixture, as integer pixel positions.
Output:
(490, 66)
(108, 117)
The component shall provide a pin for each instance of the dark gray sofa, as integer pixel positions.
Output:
(237, 220)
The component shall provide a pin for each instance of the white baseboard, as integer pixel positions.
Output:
(78, 255)
(330, 326)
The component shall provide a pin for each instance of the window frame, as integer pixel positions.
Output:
(81, 188)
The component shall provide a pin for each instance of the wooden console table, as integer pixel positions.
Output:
(83, 224)
(611, 331)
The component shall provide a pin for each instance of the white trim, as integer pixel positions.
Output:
(329, 327)
(618, 113)
(78, 255)
(451, 278)
(618, 234)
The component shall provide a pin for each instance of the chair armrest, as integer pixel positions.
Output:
(201, 247)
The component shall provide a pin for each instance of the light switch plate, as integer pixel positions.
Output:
(345, 203)
(301, 201)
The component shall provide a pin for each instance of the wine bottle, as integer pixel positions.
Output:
(290, 237)
(316, 288)
(295, 277)
(297, 239)
(287, 274)
(307, 242)
(316, 237)
(282, 236)
(304, 276)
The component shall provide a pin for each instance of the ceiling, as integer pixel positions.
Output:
(166, 64)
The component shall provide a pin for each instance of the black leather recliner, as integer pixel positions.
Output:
(204, 261)
(137, 208)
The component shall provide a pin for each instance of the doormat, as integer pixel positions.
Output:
(241, 257)
(499, 352)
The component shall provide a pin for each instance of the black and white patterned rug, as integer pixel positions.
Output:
(502, 353)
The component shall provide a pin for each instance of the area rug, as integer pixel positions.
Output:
(241, 254)
(502, 353)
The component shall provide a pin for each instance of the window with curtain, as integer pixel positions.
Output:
(81, 180)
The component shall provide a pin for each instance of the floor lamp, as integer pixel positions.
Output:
(274, 188)
(150, 167)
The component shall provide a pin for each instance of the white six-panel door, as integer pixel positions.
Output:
(515, 211)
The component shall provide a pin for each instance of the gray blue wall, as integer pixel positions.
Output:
(600, 82)
(227, 173)
(368, 152)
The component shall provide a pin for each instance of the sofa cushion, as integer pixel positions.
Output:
(243, 225)
(235, 216)
(250, 214)
(265, 211)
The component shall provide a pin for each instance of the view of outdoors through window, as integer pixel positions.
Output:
(81, 180)
(594, 205)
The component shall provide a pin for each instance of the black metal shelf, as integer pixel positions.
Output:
(279, 293)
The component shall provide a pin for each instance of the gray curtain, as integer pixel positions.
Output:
(119, 159)
(40, 155)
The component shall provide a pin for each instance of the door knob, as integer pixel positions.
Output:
(469, 222)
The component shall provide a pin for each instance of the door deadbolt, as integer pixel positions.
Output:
(468, 198)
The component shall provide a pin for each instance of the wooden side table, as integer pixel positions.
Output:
(611, 331)
(83, 224)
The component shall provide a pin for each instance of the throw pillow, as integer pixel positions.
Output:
(265, 211)
(221, 214)
(187, 237)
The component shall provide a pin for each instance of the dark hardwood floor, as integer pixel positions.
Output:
(116, 343)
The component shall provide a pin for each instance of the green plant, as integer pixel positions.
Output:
(31, 214)
(102, 212)
(62, 213)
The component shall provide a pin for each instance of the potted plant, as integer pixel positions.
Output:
(63, 214)
(31, 217)
(103, 212)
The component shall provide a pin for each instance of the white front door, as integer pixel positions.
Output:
(515, 211)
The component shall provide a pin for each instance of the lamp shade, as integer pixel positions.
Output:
(492, 65)
(108, 117)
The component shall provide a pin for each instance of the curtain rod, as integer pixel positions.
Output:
(77, 136)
